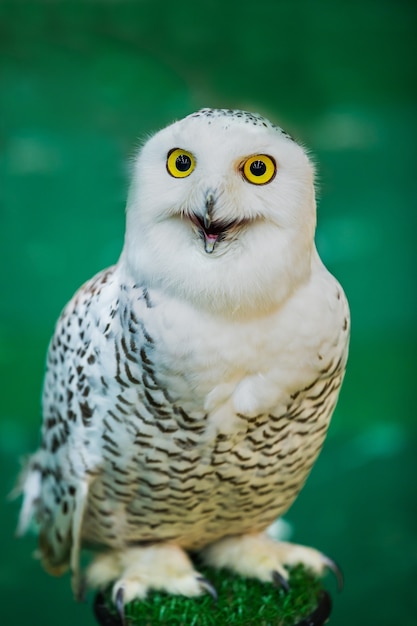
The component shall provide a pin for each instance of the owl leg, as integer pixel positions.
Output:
(134, 571)
(261, 557)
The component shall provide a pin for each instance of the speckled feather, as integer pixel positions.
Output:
(170, 420)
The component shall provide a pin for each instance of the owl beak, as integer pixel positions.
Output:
(210, 230)
(209, 242)
(208, 210)
(209, 239)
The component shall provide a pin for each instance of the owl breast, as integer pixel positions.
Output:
(178, 460)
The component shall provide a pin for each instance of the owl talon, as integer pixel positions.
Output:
(337, 571)
(207, 586)
(279, 581)
(119, 604)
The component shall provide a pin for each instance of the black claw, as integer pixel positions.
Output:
(120, 605)
(337, 571)
(206, 584)
(279, 581)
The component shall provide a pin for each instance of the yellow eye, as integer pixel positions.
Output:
(259, 169)
(180, 163)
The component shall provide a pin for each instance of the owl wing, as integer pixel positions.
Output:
(55, 480)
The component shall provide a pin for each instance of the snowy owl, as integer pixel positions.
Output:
(190, 386)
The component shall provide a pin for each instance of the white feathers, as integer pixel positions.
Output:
(31, 486)
(253, 266)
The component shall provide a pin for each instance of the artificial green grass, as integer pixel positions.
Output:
(241, 602)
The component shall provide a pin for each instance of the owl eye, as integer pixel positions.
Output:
(180, 163)
(259, 169)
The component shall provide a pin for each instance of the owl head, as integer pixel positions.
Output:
(221, 213)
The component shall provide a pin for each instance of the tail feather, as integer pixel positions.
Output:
(57, 510)
(29, 483)
(77, 521)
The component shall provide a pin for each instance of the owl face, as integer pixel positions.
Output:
(221, 211)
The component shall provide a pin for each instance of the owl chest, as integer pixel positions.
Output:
(200, 360)
(187, 372)
(180, 483)
(184, 457)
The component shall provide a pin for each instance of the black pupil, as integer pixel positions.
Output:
(258, 168)
(183, 163)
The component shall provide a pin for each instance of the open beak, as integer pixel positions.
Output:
(208, 210)
(210, 235)
(211, 231)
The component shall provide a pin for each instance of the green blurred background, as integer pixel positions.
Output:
(81, 84)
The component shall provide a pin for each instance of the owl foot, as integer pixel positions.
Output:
(135, 571)
(259, 556)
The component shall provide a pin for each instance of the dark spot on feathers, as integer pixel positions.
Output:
(50, 422)
(86, 412)
(147, 298)
(144, 357)
(55, 444)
